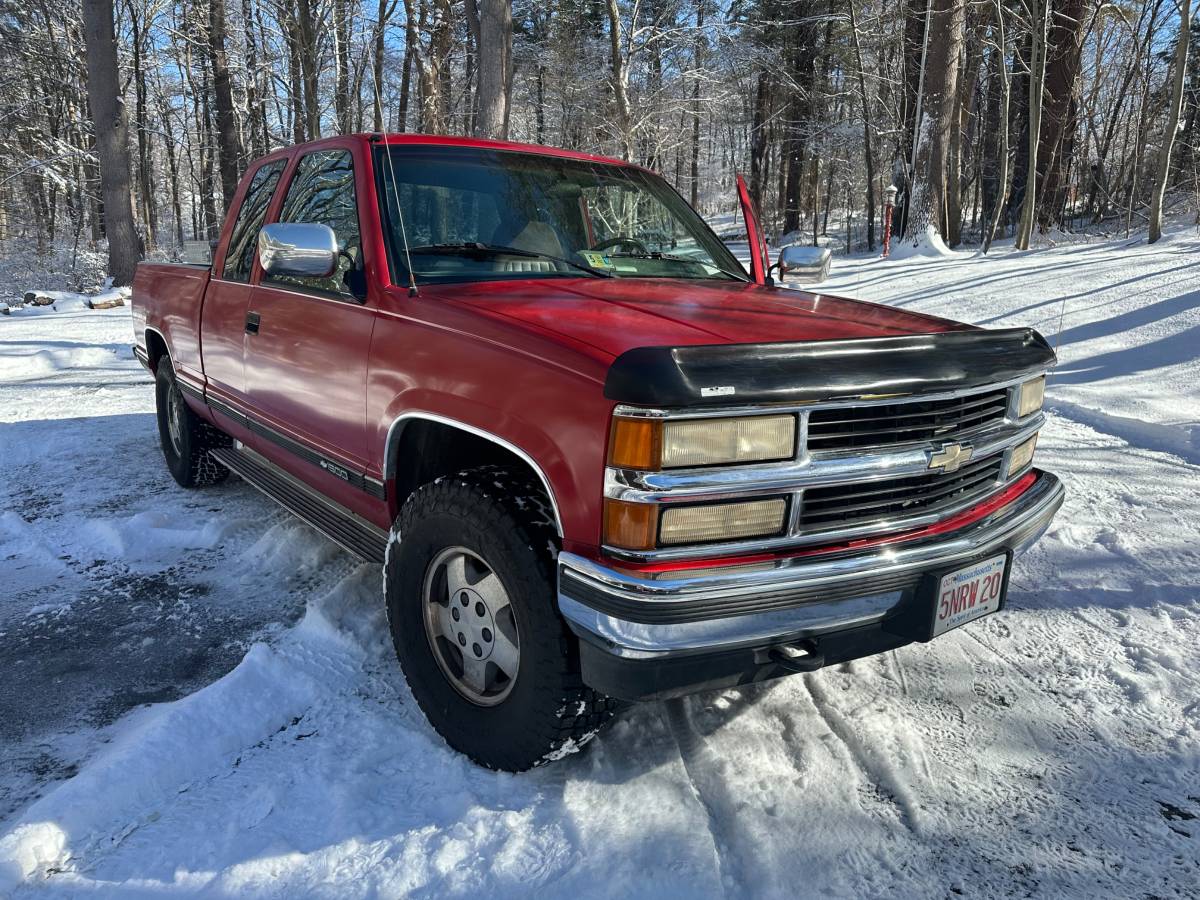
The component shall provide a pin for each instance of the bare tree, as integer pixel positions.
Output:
(112, 139)
(619, 79)
(1039, 17)
(938, 105)
(1172, 124)
(491, 21)
(229, 148)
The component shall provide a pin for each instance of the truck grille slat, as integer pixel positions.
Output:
(882, 425)
(846, 505)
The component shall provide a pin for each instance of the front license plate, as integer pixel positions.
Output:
(969, 593)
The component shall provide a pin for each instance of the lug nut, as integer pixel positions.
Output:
(462, 639)
(479, 610)
(454, 614)
(464, 599)
(478, 650)
(487, 635)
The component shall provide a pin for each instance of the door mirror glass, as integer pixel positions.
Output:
(804, 265)
(298, 250)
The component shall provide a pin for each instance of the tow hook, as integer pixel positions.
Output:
(802, 656)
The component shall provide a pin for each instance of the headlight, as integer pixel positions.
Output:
(651, 444)
(637, 526)
(1021, 456)
(721, 522)
(1030, 399)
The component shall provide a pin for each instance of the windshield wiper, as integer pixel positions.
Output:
(655, 254)
(475, 247)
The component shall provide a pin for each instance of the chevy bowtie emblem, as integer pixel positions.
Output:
(950, 457)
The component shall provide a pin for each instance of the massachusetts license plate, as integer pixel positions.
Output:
(969, 593)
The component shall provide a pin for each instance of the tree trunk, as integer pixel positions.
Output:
(1064, 49)
(112, 139)
(1000, 56)
(307, 52)
(229, 149)
(620, 86)
(495, 66)
(256, 103)
(868, 153)
(939, 101)
(384, 14)
(1172, 123)
(1037, 74)
(759, 138)
(141, 123)
(697, 63)
(341, 57)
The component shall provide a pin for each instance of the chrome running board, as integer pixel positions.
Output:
(354, 533)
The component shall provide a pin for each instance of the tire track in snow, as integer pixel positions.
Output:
(868, 758)
(712, 794)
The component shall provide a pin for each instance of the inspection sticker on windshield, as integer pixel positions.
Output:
(722, 391)
(969, 593)
(596, 260)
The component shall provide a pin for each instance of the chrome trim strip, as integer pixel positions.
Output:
(393, 435)
(773, 478)
(1017, 525)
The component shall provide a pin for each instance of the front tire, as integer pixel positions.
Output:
(186, 438)
(500, 680)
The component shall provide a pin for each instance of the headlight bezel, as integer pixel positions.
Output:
(673, 443)
(1029, 397)
(642, 527)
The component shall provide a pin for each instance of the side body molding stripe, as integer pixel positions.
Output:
(397, 426)
(357, 479)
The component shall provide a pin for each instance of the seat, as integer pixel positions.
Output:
(536, 237)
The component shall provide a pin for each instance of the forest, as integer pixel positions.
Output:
(127, 123)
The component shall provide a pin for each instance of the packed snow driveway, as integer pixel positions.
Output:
(200, 694)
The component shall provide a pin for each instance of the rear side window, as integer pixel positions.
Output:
(239, 258)
(322, 192)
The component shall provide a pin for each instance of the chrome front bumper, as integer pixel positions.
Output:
(641, 618)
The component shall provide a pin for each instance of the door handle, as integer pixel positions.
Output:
(252, 320)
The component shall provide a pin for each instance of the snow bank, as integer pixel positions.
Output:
(928, 245)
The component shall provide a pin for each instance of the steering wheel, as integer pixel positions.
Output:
(626, 242)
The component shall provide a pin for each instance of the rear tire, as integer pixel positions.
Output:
(481, 543)
(186, 438)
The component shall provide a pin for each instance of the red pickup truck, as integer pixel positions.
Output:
(598, 460)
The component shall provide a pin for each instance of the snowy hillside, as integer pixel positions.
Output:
(200, 697)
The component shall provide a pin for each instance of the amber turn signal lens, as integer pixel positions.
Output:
(635, 444)
(630, 526)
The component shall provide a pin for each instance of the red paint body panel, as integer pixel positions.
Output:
(521, 360)
(177, 292)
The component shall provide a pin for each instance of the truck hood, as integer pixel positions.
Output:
(615, 315)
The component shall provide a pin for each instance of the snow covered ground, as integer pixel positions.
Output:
(199, 697)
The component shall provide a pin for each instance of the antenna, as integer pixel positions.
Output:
(412, 280)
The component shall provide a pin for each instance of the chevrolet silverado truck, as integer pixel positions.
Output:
(597, 459)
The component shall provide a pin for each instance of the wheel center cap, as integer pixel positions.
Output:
(470, 622)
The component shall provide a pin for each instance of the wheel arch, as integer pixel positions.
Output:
(156, 347)
(421, 446)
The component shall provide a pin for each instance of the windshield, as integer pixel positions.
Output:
(472, 214)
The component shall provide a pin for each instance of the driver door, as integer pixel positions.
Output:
(307, 339)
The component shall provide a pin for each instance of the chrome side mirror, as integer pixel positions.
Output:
(804, 265)
(298, 249)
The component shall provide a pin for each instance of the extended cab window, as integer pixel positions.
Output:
(322, 192)
(239, 257)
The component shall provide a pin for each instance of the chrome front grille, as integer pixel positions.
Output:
(909, 421)
(896, 499)
(860, 470)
